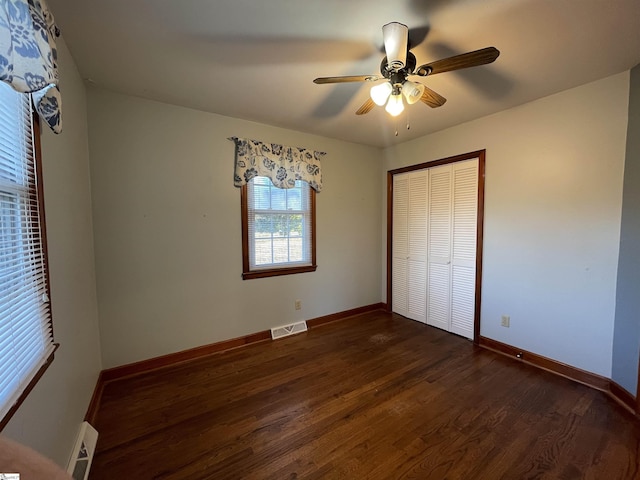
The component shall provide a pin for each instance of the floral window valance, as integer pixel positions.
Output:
(28, 56)
(283, 165)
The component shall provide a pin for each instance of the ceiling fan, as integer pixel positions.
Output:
(399, 64)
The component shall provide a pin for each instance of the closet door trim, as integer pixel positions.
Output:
(480, 155)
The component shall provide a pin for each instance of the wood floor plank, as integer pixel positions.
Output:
(376, 396)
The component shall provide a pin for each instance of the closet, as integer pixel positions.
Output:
(434, 234)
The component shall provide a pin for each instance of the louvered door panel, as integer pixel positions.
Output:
(417, 285)
(439, 247)
(400, 291)
(417, 220)
(463, 259)
(439, 299)
(465, 211)
(463, 281)
(418, 215)
(400, 246)
(400, 213)
(440, 213)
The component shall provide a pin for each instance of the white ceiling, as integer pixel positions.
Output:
(256, 59)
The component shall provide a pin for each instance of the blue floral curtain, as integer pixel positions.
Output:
(283, 165)
(28, 56)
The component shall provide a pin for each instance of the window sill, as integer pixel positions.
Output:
(276, 272)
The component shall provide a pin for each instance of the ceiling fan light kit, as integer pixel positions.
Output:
(399, 63)
(380, 93)
(412, 91)
(394, 106)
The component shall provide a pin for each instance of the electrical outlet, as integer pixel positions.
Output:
(505, 321)
(298, 304)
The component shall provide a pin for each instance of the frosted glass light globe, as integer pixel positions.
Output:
(395, 106)
(380, 93)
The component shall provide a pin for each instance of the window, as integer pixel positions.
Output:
(26, 337)
(278, 229)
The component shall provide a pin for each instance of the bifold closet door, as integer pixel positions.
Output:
(400, 245)
(410, 245)
(439, 239)
(463, 253)
(453, 195)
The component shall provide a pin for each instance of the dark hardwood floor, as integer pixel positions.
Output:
(375, 396)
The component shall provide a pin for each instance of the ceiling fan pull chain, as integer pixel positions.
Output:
(396, 127)
(408, 124)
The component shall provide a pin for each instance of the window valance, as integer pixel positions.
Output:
(28, 55)
(283, 165)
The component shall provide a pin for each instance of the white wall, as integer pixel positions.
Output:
(626, 336)
(552, 217)
(168, 237)
(50, 417)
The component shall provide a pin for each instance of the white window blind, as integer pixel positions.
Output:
(279, 224)
(26, 337)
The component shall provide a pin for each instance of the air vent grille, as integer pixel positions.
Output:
(286, 330)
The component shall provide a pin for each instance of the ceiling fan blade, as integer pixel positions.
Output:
(465, 60)
(349, 78)
(396, 39)
(431, 98)
(366, 107)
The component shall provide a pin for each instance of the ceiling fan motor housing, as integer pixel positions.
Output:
(398, 76)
